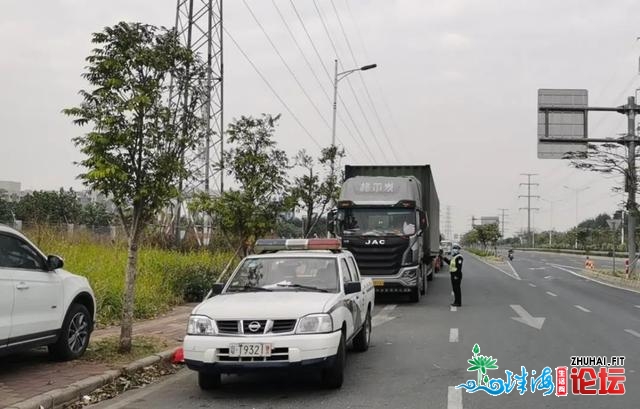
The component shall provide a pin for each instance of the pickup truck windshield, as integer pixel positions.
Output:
(378, 222)
(286, 274)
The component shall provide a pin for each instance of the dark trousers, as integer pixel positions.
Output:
(456, 280)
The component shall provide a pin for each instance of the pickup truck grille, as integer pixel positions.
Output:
(377, 260)
(277, 326)
(277, 354)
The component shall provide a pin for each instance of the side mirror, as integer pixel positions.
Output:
(424, 222)
(217, 288)
(352, 287)
(54, 263)
(331, 221)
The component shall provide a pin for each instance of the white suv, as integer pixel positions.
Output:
(40, 303)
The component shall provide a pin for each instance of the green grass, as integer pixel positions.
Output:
(105, 350)
(481, 253)
(165, 277)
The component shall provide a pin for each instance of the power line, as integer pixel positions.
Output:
(355, 96)
(503, 221)
(366, 54)
(271, 88)
(313, 71)
(295, 77)
(364, 84)
(324, 67)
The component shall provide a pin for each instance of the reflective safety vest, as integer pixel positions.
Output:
(453, 267)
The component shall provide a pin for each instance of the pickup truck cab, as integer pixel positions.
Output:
(295, 303)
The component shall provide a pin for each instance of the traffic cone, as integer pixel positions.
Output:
(178, 356)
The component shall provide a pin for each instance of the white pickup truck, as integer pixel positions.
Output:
(295, 303)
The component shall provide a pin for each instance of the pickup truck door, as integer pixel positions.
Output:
(362, 300)
(351, 301)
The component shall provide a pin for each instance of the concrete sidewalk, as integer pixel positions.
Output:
(27, 374)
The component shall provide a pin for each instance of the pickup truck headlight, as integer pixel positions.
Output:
(201, 325)
(315, 324)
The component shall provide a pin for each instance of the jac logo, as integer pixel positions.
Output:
(374, 241)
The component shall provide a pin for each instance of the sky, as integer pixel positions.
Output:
(455, 87)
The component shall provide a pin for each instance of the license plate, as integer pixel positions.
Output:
(378, 283)
(250, 350)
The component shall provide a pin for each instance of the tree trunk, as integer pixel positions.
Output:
(126, 325)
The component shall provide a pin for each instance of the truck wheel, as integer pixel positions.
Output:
(361, 341)
(208, 381)
(414, 296)
(74, 334)
(423, 289)
(333, 376)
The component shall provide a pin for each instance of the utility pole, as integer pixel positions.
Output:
(447, 224)
(503, 212)
(577, 191)
(551, 202)
(529, 208)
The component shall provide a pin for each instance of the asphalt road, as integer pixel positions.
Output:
(420, 351)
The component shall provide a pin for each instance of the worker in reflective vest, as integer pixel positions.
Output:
(455, 270)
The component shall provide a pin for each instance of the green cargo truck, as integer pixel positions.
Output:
(389, 218)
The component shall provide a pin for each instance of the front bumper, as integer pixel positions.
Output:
(210, 353)
(398, 283)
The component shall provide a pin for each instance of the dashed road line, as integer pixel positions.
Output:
(637, 306)
(454, 336)
(632, 332)
(454, 398)
(552, 294)
(581, 308)
(532, 285)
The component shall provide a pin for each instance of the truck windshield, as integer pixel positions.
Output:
(286, 274)
(378, 222)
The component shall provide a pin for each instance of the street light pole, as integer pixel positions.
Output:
(337, 76)
(551, 202)
(577, 191)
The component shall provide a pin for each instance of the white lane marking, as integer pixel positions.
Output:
(637, 306)
(497, 268)
(454, 308)
(383, 316)
(560, 267)
(548, 277)
(552, 294)
(632, 332)
(454, 398)
(581, 308)
(453, 335)
(515, 273)
(532, 285)
(526, 318)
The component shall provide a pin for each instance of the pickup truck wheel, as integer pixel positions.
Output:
(74, 334)
(208, 381)
(333, 376)
(361, 341)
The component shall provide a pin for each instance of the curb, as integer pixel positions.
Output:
(58, 397)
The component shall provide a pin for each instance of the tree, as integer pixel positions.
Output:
(487, 234)
(260, 168)
(313, 191)
(135, 148)
(49, 207)
(7, 208)
(96, 214)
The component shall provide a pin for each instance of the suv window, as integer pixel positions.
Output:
(346, 273)
(15, 253)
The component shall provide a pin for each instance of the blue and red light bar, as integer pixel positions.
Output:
(267, 245)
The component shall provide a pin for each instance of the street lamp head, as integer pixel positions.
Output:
(368, 67)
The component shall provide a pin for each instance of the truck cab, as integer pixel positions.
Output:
(382, 221)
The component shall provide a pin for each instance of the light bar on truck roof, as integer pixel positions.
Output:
(268, 245)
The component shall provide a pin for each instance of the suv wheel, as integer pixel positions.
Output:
(74, 334)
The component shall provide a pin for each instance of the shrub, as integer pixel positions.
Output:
(165, 277)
